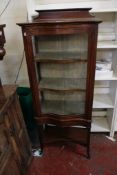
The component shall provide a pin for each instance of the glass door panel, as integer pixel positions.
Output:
(61, 63)
(63, 103)
(62, 47)
(72, 70)
(63, 83)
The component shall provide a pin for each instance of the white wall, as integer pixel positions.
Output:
(82, 2)
(96, 5)
(67, 1)
(15, 12)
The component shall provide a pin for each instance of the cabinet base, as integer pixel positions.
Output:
(55, 134)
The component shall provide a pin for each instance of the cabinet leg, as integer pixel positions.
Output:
(88, 152)
(38, 152)
(88, 143)
(40, 134)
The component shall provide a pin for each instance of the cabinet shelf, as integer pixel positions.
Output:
(107, 45)
(55, 61)
(102, 101)
(105, 78)
(106, 36)
(60, 57)
(63, 107)
(100, 124)
(104, 10)
(63, 83)
(63, 90)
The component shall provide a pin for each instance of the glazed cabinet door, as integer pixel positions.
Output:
(61, 67)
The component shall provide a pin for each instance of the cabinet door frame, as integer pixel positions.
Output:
(35, 29)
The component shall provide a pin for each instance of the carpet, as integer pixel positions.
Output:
(69, 159)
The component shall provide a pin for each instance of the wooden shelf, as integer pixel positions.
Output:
(63, 107)
(60, 57)
(63, 84)
(100, 124)
(102, 101)
(65, 61)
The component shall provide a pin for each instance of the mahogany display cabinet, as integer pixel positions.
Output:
(60, 48)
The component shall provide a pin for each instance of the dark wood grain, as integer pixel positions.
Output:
(2, 41)
(15, 147)
(65, 61)
(32, 72)
(63, 91)
(63, 14)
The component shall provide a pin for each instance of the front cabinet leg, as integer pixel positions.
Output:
(39, 151)
(40, 134)
(88, 143)
(88, 151)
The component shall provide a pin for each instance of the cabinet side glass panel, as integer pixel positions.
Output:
(61, 63)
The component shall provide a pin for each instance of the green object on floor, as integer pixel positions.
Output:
(25, 98)
(26, 103)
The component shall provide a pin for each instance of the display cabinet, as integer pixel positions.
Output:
(60, 48)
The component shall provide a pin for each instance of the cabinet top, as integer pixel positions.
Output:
(68, 9)
(79, 15)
